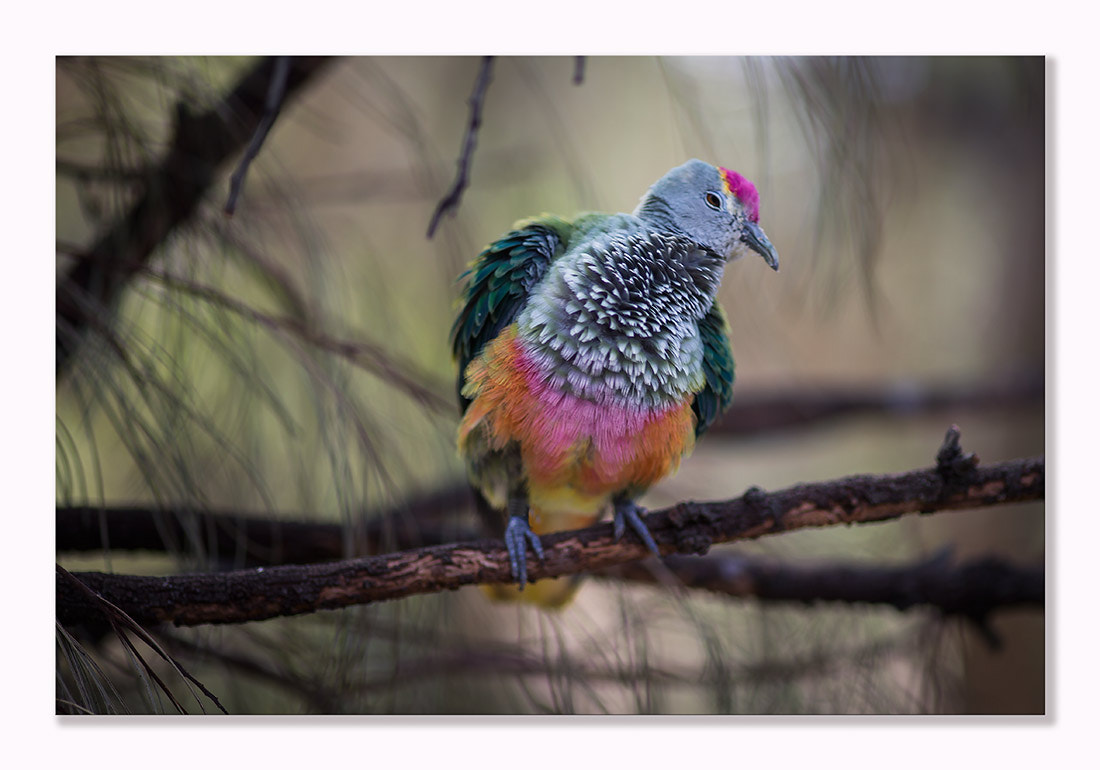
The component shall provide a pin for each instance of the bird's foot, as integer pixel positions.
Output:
(628, 512)
(516, 537)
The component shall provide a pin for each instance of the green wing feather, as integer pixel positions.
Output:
(500, 281)
(717, 392)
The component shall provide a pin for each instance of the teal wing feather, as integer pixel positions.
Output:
(499, 282)
(717, 391)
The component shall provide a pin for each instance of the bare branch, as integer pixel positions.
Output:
(276, 92)
(119, 621)
(257, 541)
(760, 412)
(688, 527)
(476, 101)
(364, 354)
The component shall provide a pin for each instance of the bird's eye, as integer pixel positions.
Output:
(713, 200)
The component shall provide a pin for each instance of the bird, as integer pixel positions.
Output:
(591, 355)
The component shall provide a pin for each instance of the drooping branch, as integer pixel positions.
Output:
(276, 92)
(120, 622)
(172, 191)
(364, 354)
(476, 103)
(956, 483)
(578, 70)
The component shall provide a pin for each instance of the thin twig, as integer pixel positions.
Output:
(476, 101)
(276, 92)
(324, 700)
(366, 355)
(119, 618)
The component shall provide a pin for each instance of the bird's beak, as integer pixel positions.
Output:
(753, 237)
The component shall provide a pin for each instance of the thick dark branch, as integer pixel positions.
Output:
(462, 178)
(201, 143)
(972, 589)
(252, 541)
(688, 527)
(761, 412)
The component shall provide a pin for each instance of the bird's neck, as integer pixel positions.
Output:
(655, 213)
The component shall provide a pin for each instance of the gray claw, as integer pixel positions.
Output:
(516, 537)
(628, 513)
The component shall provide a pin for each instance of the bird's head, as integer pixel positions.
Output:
(717, 208)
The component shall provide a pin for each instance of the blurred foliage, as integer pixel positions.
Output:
(293, 360)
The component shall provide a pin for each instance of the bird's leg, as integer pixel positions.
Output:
(516, 536)
(628, 512)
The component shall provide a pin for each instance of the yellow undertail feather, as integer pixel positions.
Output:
(550, 593)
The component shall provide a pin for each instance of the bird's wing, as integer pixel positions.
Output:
(500, 281)
(717, 392)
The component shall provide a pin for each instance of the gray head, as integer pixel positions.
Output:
(713, 206)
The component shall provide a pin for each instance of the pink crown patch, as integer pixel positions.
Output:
(744, 190)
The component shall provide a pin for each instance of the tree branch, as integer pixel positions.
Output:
(462, 179)
(760, 412)
(971, 590)
(173, 190)
(263, 542)
(276, 93)
(956, 483)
